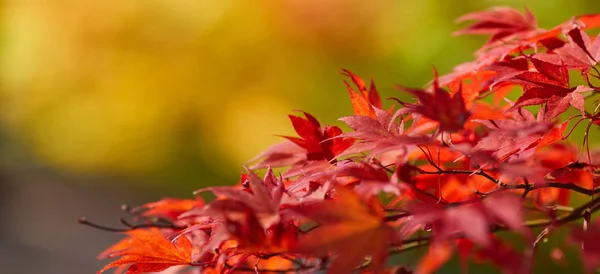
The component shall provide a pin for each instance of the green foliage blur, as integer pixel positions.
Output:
(180, 94)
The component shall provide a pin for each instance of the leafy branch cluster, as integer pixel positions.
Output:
(445, 172)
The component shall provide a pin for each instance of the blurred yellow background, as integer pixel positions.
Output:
(109, 102)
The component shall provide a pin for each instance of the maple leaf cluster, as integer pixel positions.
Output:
(444, 172)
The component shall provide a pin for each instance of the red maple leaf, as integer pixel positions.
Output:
(521, 134)
(252, 236)
(548, 84)
(520, 41)
(348, 226)
(501, 23)
(380, 134)
(563, 161)
(473, 222)
(319, 143)
(580, 53)
(251, 214)
(449, 112)
(261, 197)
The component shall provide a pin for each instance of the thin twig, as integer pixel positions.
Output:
(130, 227)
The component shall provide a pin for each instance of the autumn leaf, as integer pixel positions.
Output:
(580, 53)
(126, 242)
(505, 68)
(558, 105)
(473, 222)
(507, 210)
(517, 36)
(449, 223)
(150, 251)
(251, 214)
(549, 84)
(348, 226)
(262, 197)
(562, 160)
(169, 208)
(501, 23)
(252, 236)
(522, 134)
(472, 86)
(449, 112)
(320, 144)
(365, 99)
(379, 135)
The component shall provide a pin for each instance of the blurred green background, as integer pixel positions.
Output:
(110, 102)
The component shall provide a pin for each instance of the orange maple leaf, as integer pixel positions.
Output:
(169, 208)
(126, 242)
(365, 99)
(148, 251)
(348, 226)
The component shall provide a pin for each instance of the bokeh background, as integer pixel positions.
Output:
(111, 102)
